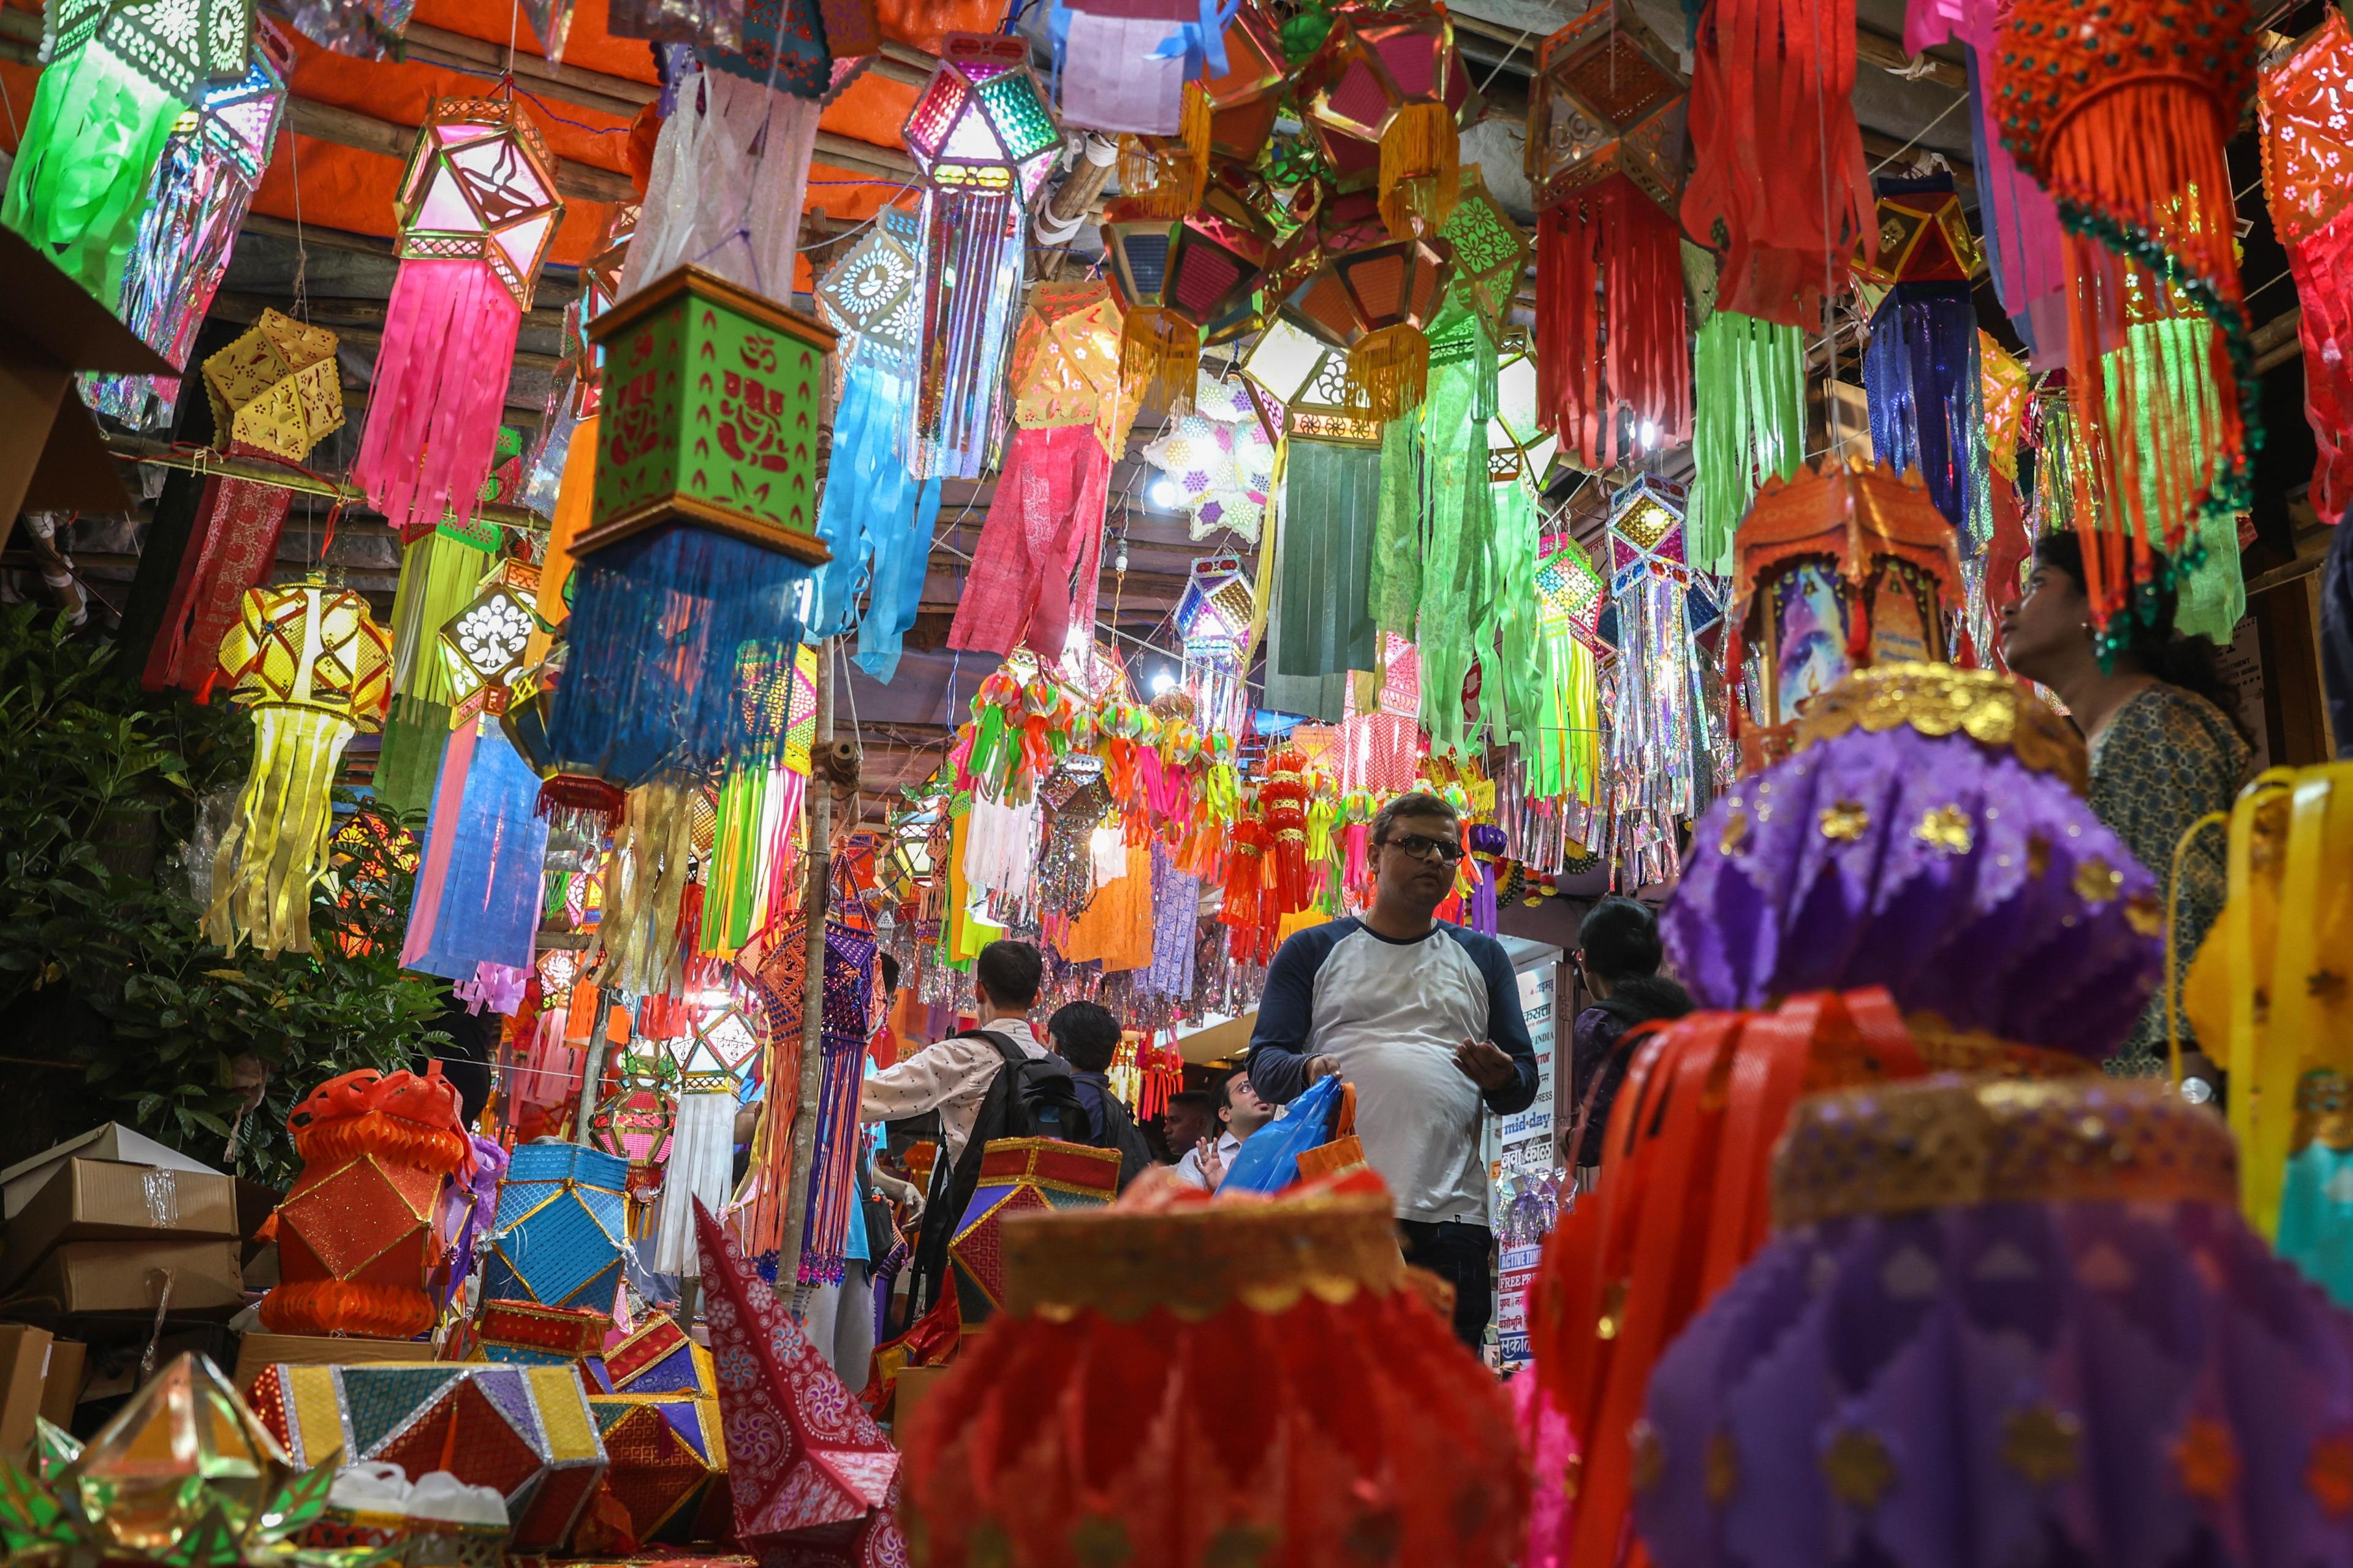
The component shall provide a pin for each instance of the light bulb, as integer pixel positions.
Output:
(1164, 493)
(1650, 432)
(1161, 681)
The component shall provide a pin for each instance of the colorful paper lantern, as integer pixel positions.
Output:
(275, 392)
(118, 75)
(525, 1333)
(1659, 756)
(1285, 1336)
(1020, 1175)
(1605, 159)
(560, 1228)
(1491, 253)
(1921, 369)
(2020, 1320)
(984, 139)
(1372, 294)
(1926, 836)
(665, 1470)
(2268, 993)
(523, 1431)
(357, 1236)
(313, 667)
(731, 168)
(658, 1358)
(705, 495)
(1175, 277)
(196, 202)
(2174, 412)
(477, 210)
(1246, 98)
(2306, 142)
(1844, 566)
(808, 1471)
(1390, 89)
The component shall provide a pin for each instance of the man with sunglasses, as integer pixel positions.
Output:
(1423, 1018)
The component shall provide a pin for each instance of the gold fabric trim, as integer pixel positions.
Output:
(1947, 1050)
(1935, 699)
(1946, 1142)
(1199, 1260)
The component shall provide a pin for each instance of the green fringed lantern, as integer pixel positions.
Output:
(120, 73)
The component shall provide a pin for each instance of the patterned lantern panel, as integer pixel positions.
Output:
(1842, 566)
(1924, 237)
(1365, 282)
(983, 121)
(481, 184)
(305, 646)
(658, 1358)
(1066, 361)
(525, 1333)
(1219, 457)
(1381, 66)
(525, 1431)
(181, 45)
(870, 295)
(483, 644)
(561, 1223)
(667, 1465)
(1608, 99)
(276, 389)
(734, 451)
(1491, 251)
(1020, 1175)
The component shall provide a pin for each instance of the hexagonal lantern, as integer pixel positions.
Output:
(1390, 94)
(1175, 279)
(1245, 102)
(275, 388)
(1608, 99)
(1372, 295)
(483, 647)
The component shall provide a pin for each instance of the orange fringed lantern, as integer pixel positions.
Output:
(2123, 117)
(356, 1245)
(1215, 1384)
(1284, 797)
(1391, 91)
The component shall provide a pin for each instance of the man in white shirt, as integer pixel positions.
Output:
(1240, 1112)
(953, 1076)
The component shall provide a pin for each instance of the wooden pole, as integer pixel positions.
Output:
(818, 887)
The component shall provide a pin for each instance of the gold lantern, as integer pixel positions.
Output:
(1608, 99)
(1372, 294)
(1065, 361)
(275, 388)
(316, 671)
(1391, 91)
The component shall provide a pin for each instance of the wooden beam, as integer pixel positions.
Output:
(331, 311)
(617, 95)
(342, 127)
(247, 308)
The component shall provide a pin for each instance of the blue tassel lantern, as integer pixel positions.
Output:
(1920, 372)
(702, 524)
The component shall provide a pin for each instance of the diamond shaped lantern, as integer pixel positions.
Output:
(483, 644)
(181, 1472)
(1372, 294)
(561, 1223)
(276, 389)
(1491, 251)
(1066, 358)
(481, 184)
(1245, 102)
(1924, 237)
(1020, 1175)
(1390, 92)
(983, 121)
(869, 296)
(1608, 99)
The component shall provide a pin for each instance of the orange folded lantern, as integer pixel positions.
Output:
(356, 1244)
(1215, 1383)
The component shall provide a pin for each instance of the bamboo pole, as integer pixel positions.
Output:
(817, 887)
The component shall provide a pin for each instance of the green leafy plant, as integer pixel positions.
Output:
(102, 965)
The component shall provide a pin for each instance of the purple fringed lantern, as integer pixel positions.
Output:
(2000, 1323)
(1920, 370)
(1928, 834)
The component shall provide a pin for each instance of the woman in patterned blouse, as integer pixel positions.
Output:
(2166, 748)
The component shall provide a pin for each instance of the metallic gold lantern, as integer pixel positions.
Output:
(1391, 91)
(1245, 102)
(1175, 278)
(1372, 294)
(1608, 99)
(275, 388)
(316, 671)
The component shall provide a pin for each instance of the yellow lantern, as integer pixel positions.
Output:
(1065, 361)
(316, 671)
(275, 389)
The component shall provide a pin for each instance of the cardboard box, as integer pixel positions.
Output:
(23, 1363)
(259, 1351)
(61, 1390)
(104, 1200)
(115, 1276)
(113, 1140)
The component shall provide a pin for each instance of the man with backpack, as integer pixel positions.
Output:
(1086, 1036)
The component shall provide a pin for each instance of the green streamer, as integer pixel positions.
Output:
(1330, 515)
(1396, 580)
(441, 572)
(2167, 363)
(76, 191)
(1457, 587)
(1748, 397)
(1511, 695)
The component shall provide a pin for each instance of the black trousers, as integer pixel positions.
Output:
(1463, 1256)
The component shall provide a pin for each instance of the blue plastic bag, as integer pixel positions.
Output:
(1268, 1160)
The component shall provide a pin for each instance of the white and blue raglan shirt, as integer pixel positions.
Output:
(1391, 1015)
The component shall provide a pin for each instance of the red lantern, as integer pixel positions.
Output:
(1175, 277)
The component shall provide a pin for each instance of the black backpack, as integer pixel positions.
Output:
(1121, 1134)
(1031, 1097)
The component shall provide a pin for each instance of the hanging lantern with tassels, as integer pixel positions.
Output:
(1560, 753)
(196, 202)
(118, 75)
(1605, 159)
(747, 886)
(2160, 357)
(1128, 68)
(1749, 423)
(1390, 89)
(315, 670)
(275, 392)
(1034, 568)
(984, 139)
(1921, 369)
(876, 515)
(1777, 187)
(1370, 295)
(703, 528)
(1176, 280)
(2307, 146)
(1659, 765)
(477, 898)
(478, 210)
(1843, 567)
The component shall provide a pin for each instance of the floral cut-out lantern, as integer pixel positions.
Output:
(478, 210)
